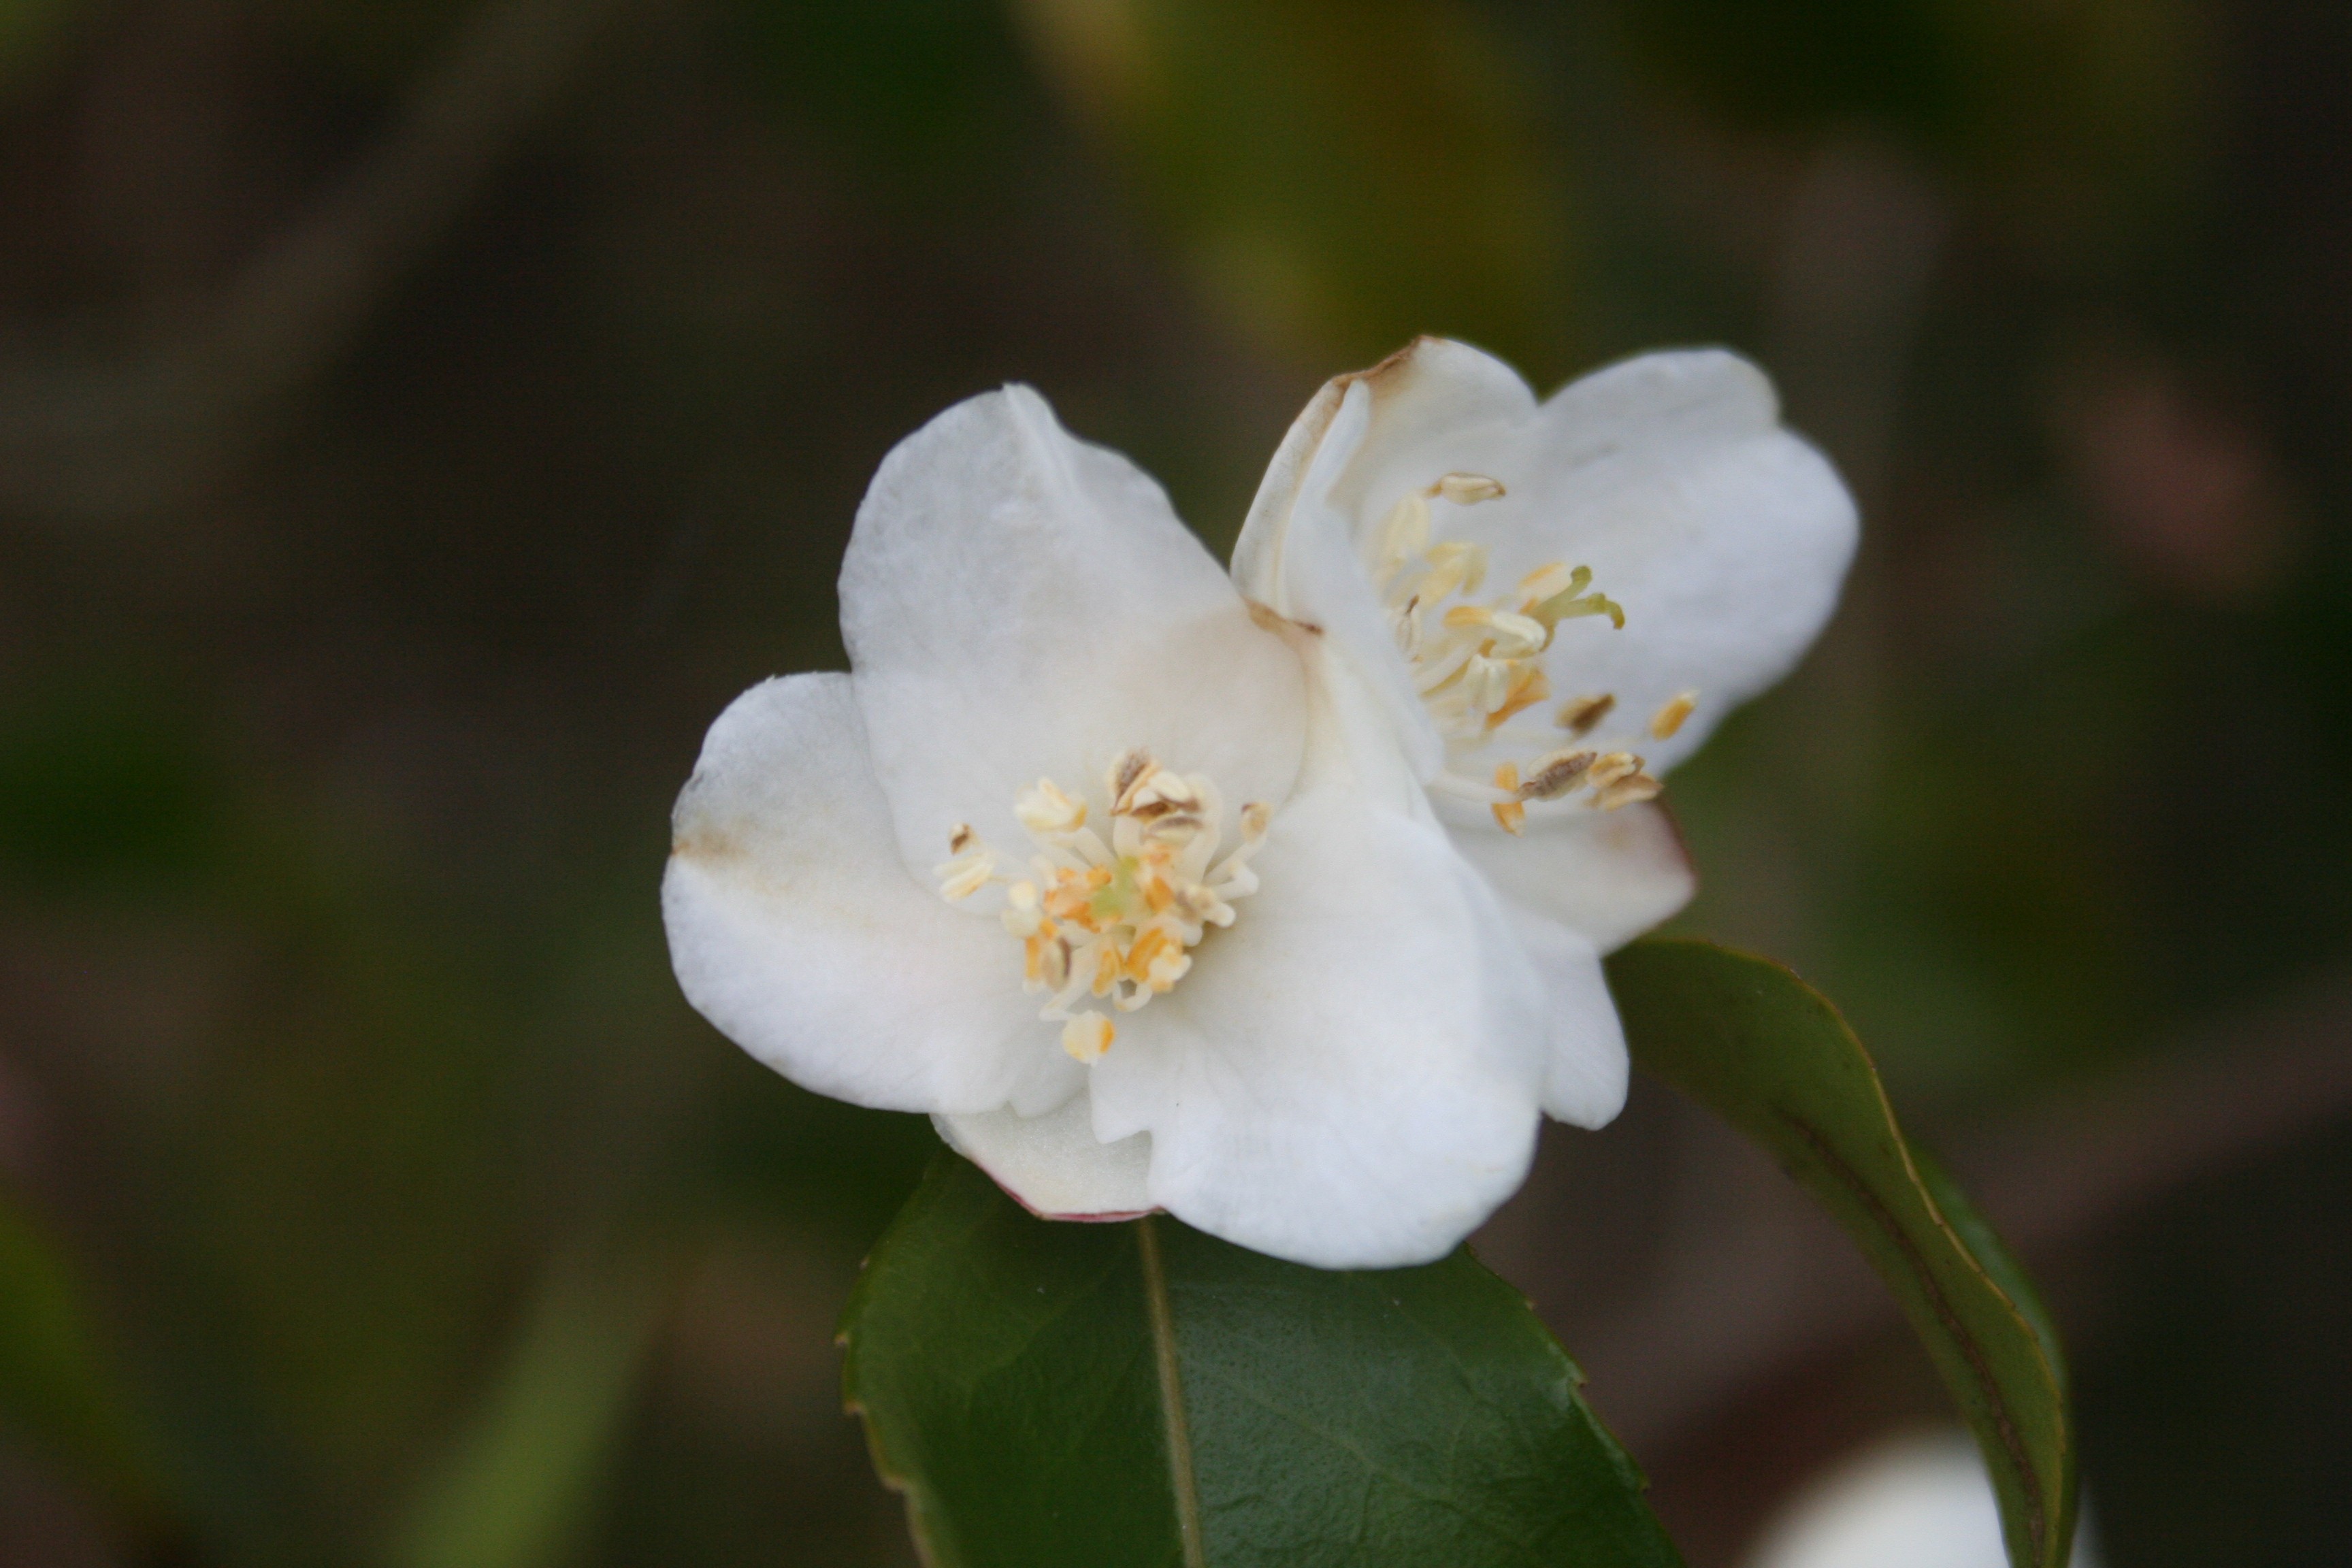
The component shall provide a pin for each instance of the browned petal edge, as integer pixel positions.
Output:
(1296, 454)
(1391, 368)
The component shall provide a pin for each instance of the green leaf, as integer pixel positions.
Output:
(514, 1489)
(1751, 1041)
(1143, 1394)
(58, 1392)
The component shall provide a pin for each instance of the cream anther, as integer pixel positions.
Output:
(1550, 581)
(1670, 715)
(1527, 686)
(1022, 918)
(1509, 814)
(1611, 766)
(1514, 636)
(1455, 567)
(1114, 920)
(1626, 790)
(1617, 779)
(1044, 809)
(1087, 1035)
(1468, 489)
(1403, 534)
(1131, 770)
(971, 865)
(1555, 773)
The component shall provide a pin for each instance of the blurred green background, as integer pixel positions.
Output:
(418, 420)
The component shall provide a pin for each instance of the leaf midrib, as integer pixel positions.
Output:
(1178, 1427)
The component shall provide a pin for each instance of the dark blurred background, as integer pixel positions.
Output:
(418, 419)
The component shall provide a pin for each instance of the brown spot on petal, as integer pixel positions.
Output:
(706, 843)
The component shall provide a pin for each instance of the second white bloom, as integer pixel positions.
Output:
(1551, 604)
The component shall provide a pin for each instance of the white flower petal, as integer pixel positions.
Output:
(1576, 886)
(1608, 875)
(1350, 1077)
(1021, 605)
(1585, 1066)
(795, 928)
(1054, 1163)
(1351, 739)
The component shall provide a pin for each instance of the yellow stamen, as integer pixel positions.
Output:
(1455, 567)
(1087, 1036)
(1115, 920)
(972, 865)
(1509, 814)
(1669, 717)
(1552, 580)
(1468, 489)
(1404, 533)
(1515, 635)
(1626, 790)
(1528, 688)
(1071, 898)
(1608, 769)
(1022, 916)
(1045, 810)
(1554, 775)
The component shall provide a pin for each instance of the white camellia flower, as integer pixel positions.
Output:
(1157, 894)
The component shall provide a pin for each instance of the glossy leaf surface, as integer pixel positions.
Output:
(1142, 1393)
(1751, 1041)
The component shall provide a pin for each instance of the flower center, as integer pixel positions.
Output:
(1113, 922)
(1478, 664)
